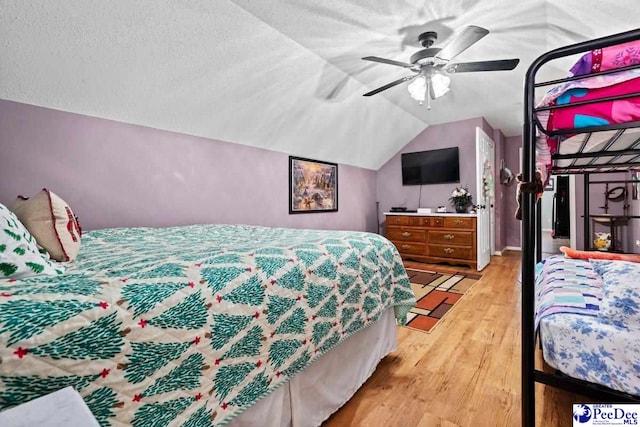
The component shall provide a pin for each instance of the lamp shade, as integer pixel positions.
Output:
(439, 85)
(418, 88)
(434, 84)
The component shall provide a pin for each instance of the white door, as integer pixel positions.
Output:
(484, 197)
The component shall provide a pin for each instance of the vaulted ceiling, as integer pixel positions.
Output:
(284, 75)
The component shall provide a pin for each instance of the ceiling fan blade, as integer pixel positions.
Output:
(468, 67)
(462, 42)
(388, 61)
(390, 85)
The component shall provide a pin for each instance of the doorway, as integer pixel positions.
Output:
(549, 244)
(556, 215)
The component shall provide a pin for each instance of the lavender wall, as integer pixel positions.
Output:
(115, 174)
(461, 134)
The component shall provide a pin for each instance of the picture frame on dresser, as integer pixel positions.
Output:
(313, 186)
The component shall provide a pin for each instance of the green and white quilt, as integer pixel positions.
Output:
(191, 325)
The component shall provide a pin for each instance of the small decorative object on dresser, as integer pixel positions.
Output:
(434, 238)
(460, 199)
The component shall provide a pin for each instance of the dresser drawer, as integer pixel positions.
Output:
(397, 220)
(436, 221)
(416, 221)
(410, 248)
(457, 222)
(464, 238)
(450, 251)
(407, 235)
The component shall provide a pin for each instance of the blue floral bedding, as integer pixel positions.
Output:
(191, 325)
(600, 346)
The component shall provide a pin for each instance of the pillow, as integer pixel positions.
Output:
(52, 223)
(608, 58)
(620, 303)
(611, 256)
(19, 255)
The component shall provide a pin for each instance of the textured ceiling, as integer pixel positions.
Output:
(284, 75)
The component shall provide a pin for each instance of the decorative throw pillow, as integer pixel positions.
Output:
(611, 256)
(52, 223)
(19, 255)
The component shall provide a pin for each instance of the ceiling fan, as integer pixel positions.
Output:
(431, 63)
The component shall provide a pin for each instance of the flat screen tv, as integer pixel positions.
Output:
(431, 167)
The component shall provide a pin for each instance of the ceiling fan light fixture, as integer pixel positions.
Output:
(418, 89)
(439, 85)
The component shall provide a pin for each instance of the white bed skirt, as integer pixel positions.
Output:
(328, 383)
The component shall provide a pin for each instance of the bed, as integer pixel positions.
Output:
(195, 325)
(586, 123)
(587, 315)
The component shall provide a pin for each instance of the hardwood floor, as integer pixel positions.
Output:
(464, 373)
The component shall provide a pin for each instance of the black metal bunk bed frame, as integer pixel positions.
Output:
(531, 216)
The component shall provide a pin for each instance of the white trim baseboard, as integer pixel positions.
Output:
(512, 248)
(497, 253)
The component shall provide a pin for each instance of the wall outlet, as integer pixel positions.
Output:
(637, 243)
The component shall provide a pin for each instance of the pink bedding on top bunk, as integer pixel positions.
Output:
(599, 113)
(608, 58)
(596, 114)
(588, 88)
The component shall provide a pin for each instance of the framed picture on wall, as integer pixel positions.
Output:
(551, 185)
(313, 186)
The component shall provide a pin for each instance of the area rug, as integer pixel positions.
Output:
(437, 292)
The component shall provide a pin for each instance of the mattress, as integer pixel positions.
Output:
(192, 324)
(585, 348)
(580, 333)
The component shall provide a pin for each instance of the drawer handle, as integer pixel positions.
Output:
(449, 236)
(459, 222)
(405, 246)
(448, 250)
(406, 234)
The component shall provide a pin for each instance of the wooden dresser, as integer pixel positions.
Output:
(433, 238)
